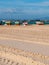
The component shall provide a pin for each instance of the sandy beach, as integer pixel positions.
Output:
(32, 41)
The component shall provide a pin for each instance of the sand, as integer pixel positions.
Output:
(12, 56)
(27, 34)
(33, 40)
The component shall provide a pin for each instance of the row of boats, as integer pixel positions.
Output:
(22, 23)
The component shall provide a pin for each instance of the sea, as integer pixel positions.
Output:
(34, 22)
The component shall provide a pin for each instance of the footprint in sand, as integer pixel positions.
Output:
(9, 58)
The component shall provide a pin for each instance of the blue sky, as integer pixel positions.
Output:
(24, 9)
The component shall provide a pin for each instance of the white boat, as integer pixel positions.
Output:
(39, 23)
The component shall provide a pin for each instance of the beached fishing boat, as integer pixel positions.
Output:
(39, 23)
